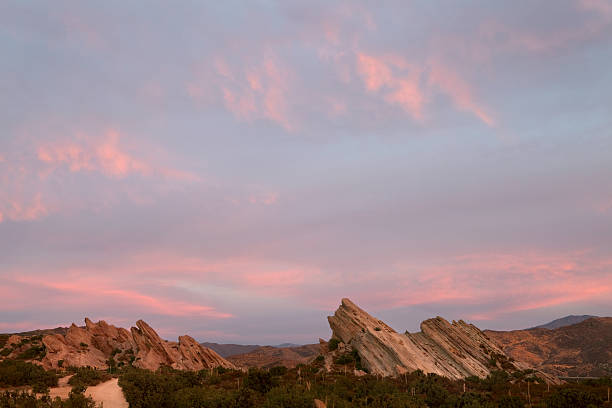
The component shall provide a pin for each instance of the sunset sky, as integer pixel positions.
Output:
(231, 170)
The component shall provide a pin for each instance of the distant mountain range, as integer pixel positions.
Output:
(226, 350)
(563, 321)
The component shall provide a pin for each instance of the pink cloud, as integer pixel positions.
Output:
(104, 155)
(374, 71)
(408, 95)
(19, 209)
(88, 290)
(259, 91)
(512, 282)
(458, 90)
(400, 88)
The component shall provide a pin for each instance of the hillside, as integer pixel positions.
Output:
(270, 356)
(564, 321)
(582, 349)
(226, 350)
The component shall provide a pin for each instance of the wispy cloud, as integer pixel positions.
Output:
(105, 155)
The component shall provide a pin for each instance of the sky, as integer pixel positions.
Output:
(231, 170)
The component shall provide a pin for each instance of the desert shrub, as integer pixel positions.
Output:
(511, 402)
(343, 359)
(86, 376)
(201, 397)
(278, 370)
(6, 351)
(28, 400)
(573, 398)
(295, 397)
(143, 388)
(436, 395)
(258, 380)
(15, 373)
(32, 353)
(333, 344)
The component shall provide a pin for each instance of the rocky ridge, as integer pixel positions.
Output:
(454, 350)
(96, 343)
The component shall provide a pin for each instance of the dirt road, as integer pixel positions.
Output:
(109, 393)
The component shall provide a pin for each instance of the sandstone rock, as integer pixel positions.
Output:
(454, 350)
(319, 404)
(94, 344)
(13, 340)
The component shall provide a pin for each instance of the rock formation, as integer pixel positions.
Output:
(96, 343)
(578, 350)
(455, 350)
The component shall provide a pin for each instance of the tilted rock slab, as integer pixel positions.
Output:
(94, 344)
(454, 350)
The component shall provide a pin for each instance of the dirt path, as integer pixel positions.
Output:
(63, 388)
(109, 393)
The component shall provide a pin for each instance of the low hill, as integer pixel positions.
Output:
(270, 356)
(226, 350)
(579, 350)
(564, 321)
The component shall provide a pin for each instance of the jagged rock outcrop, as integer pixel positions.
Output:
(94, 344)
(455, 350)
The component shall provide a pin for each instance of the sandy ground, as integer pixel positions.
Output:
(108, 393)
(62, 390)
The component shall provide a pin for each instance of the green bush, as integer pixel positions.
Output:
(33, 353)
(511, 402)
(258, 380)
(86, 376)
(333, 344)
(573, 398)
(278, 370)
(15, 373)
(294, 397)
(28, 400)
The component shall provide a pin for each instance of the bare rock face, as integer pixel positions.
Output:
(454, 350)
(194, 354)
(96, 343)
(13, 340)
